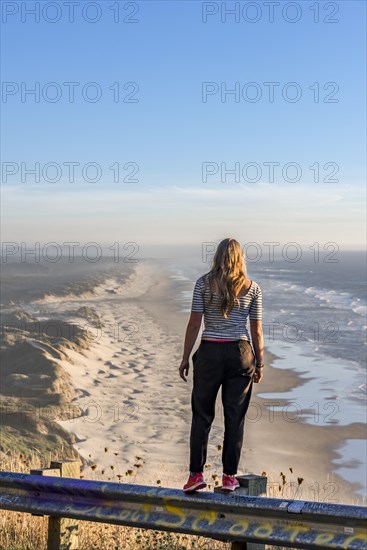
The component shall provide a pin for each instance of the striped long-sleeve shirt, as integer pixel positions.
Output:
(235, 326)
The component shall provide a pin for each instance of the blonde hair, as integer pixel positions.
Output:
(228, 272)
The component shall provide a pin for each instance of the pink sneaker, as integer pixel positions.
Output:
(194, 483)
(229, 483)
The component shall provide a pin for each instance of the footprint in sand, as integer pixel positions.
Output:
(83, 393)
(101, 371)
(111, 365)
(111, 376)
(79, 438)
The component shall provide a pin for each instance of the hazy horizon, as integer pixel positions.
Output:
(186, 216)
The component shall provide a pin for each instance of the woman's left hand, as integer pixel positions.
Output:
(184, 369)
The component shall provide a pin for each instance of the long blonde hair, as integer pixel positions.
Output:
(228, 271)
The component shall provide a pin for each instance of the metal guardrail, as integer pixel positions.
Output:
(292, 523)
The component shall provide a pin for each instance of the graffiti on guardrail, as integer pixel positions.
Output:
(317, 525)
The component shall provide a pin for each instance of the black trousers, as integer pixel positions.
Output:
(229, 365)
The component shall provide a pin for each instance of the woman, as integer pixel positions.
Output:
(225, 358)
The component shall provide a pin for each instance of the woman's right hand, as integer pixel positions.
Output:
(258, 374)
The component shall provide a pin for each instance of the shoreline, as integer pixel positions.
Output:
(135, 404)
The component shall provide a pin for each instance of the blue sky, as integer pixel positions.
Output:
(170, 132)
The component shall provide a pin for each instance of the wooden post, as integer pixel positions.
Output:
(44, 472)
(250, 485)
(62, 532)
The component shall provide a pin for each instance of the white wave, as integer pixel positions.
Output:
(338, 300)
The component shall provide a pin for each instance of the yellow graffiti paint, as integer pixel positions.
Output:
(358, 536)
(210, 516)
(263, 530)
(294, 531)
(136, 515)
(324, 537)
(125, 514)
(147, 508)
(240, 527)
(173, 510)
